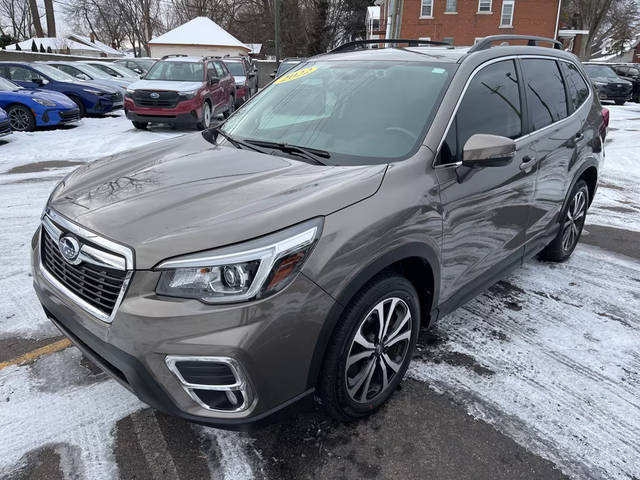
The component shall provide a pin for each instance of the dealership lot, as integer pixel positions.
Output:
(537, 378)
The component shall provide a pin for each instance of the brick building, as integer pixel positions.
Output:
(463, 22)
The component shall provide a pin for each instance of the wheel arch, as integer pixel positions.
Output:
(418, 262)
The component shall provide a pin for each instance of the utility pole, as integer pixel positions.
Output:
(51, 20)
(277, 30)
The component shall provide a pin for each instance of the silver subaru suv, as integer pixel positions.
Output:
(300, 246)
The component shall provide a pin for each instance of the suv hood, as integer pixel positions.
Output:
(165, 85)
(186, 195)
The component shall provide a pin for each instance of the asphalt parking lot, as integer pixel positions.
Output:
(535, 379)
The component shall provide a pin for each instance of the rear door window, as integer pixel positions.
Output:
(220, 70)
(546, 97)
(576, 85)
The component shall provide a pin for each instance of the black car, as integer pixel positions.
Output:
(286, 65)
(245, 76)
(631, 73)
(610, 86)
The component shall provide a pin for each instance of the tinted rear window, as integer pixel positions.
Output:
(546, 98)
(578, 89)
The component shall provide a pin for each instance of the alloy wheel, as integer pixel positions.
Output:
(206, 116)
(574, 221)
(19, 119)
(378, 349)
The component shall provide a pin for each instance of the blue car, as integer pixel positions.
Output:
(29, 108)
(5, 129)
(89, 97)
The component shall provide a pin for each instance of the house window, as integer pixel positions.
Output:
(427, 9)
(448, 40)
(451, 6)
(506, 19)
(484, 6)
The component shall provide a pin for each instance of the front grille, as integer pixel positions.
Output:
(142, 98)
(70, 115)
(96, 285)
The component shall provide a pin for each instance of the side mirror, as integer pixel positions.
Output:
(37, 81)
(214, 80)
(273, 75)
(488, 151)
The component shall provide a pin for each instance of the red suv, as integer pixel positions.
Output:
(181, 90)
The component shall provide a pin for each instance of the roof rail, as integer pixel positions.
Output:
(174, 55)
(412, 43)
(532, 41)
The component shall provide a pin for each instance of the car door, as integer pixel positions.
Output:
(556, 140)
(224, 85)
(485, 209)
(26, 77)
(213, 89)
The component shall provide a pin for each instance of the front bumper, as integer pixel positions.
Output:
(273, 340)
(185, 113)
(613, 92)
(5, 128)
(57, 116)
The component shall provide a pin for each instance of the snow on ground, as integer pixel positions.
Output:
(30, 166)
(549, 356)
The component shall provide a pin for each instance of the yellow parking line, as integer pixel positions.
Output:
(37, 353)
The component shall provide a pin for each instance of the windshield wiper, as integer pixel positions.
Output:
(234, 141)
(312, 154)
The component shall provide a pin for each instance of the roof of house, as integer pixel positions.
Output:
(199, 31)
(103, 47)
(56, 43)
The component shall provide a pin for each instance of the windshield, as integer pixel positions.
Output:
(236, 68)
(8, 86)
(124, 71)
(360, 112)
(145, 63)
(92, 71)
(286, 66)
(53, 72)
(600, 71)
(176, 71)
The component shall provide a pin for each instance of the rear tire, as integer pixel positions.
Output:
(81, 107)
(352, 391)
(21, 119)
(561, 248)
(140, 125)
(230, 107)
(619, 102)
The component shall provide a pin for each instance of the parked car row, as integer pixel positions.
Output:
(189, 91)
(179, 90)
(616, 82)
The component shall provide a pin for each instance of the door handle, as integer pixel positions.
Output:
(527, 163)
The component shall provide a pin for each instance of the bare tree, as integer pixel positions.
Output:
(17, 17)
(35, 14)
(51, 20)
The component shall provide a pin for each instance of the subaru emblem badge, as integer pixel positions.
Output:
(69, 248)
(154, 95)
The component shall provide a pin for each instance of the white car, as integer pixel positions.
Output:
(83, 71)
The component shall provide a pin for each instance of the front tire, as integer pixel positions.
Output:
(371, 348)
(140, 125)
(21, 119)
(619, 102)
(561, 248)
(206, 117)
(81, 107)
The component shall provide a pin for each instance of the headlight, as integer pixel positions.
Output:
(128, 92)
(188, 95)
(94, 92)
(255, 269)
(44, 102)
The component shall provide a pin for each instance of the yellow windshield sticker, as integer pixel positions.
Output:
(295, 75)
